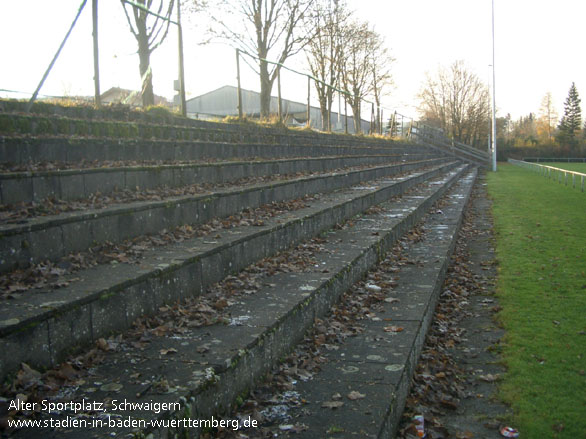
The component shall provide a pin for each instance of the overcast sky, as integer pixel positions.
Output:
(539, 48)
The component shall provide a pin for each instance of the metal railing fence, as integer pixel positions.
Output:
(551, 172)
(555, 159)
(397, 124)
(436, 137)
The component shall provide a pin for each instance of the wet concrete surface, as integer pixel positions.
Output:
(478, 413)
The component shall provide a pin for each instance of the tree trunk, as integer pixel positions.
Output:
(356, 111)
(323, 98)
(265, 91)
(329, 115)
(324, 113)
(144, 54)
(330, 99)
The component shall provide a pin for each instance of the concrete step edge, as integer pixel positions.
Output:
(216, 392)
(25, 150)
(42, 124)
(72, 184)
(205, 401)
(43, 339)
(54, 237)
(383, 368)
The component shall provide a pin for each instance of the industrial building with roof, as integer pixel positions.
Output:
(223, 102)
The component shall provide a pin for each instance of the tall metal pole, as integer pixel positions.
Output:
(329, 124)
(308, 101)
(35, 94)
(493, 99)
(345, 115)
(489, 130)
(181, 65)
(339, 110)
(97, 98)
(280, 106)
(380, 121)
(238, 81)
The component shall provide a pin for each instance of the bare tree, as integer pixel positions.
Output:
(456, 101)
(548, 117)
(268, 29)
(324, 51)
(381, 73)
(357, 66)
(365, 67)
(150, 31)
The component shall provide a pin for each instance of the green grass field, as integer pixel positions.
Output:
(577, 167)
(541, 254)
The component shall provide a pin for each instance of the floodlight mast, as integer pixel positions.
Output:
(489, 127)
(493, 99)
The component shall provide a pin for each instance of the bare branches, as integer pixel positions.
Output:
(382, 77)
(324, 50)
(456, 101)
(547, 118)
(360, 59)
(268, 29)
(147, 29)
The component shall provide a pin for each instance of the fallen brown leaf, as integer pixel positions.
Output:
(354, 395)
(168, 351)
(489, 378)
(27, 376)
(393, 328)
(203, 348)
(102, 344)
(332, 404)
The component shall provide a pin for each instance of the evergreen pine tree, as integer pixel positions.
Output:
(571, 122)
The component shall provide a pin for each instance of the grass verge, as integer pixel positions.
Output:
(541, 252)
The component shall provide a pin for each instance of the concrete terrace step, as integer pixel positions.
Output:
(129, 116)
(53, 237)
(34, 124)
(19, 150)
(272, 321)
(40, 328)
(71, 184)
(44, 125)
(380, 364)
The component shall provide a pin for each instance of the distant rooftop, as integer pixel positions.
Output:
(223, 102)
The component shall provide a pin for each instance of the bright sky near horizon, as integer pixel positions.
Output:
(538, 49)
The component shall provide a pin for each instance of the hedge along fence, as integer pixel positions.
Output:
(551, 172)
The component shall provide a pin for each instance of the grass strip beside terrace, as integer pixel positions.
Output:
(541, 254)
